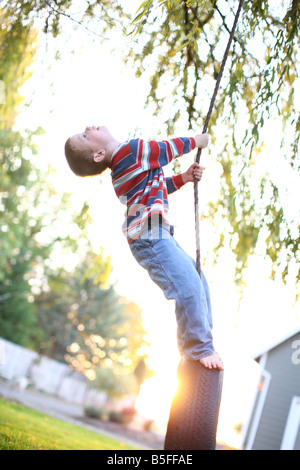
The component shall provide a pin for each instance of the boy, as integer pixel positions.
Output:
(138, 180)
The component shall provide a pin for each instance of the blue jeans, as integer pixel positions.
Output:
(174, 271)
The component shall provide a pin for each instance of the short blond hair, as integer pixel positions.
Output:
(81, 160)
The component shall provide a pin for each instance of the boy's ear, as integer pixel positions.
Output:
(99, 157)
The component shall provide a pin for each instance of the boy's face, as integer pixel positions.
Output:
(93, 138)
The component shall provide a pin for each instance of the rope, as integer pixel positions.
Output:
(211, 107)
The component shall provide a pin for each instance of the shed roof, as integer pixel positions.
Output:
(272, 343)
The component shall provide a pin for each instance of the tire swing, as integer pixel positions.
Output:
(195, 408)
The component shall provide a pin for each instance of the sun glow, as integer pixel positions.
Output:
(155, 397)
(156, 393)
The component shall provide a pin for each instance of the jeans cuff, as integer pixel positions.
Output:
(198, 356)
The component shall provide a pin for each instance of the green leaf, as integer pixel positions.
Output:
(145, 7)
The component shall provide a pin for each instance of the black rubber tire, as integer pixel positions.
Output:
(195, 408)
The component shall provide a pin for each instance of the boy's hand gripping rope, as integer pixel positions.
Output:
(212, 103)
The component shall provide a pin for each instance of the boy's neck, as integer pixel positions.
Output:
(111, 147)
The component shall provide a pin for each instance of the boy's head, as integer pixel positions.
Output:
(89, 153)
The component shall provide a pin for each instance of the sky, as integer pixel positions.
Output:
(93, 86)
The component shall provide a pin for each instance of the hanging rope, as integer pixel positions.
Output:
(212, 103)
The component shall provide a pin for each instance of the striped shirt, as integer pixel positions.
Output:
(139, 182)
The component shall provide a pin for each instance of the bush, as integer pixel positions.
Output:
(124, 416)
(148, 425)
(128, 414)
(92, 411)
(115, 416)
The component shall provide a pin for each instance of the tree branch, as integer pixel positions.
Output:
(79, 23)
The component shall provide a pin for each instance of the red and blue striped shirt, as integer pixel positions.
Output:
(139, 182)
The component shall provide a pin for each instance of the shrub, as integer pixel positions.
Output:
(128, 414)
(115, 416)
(124, 416)
(148, 425)
(92, 411)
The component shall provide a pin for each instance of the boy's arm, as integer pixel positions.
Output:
(177, 181)
(174, 183)
(154, 154)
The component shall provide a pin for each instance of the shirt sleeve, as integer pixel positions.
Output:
(152, 155)
(174, 183)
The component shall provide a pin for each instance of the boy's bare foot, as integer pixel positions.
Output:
(212, 362)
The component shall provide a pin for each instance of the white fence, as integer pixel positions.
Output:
(46, 375)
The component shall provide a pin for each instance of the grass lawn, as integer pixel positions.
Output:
(24, 429)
